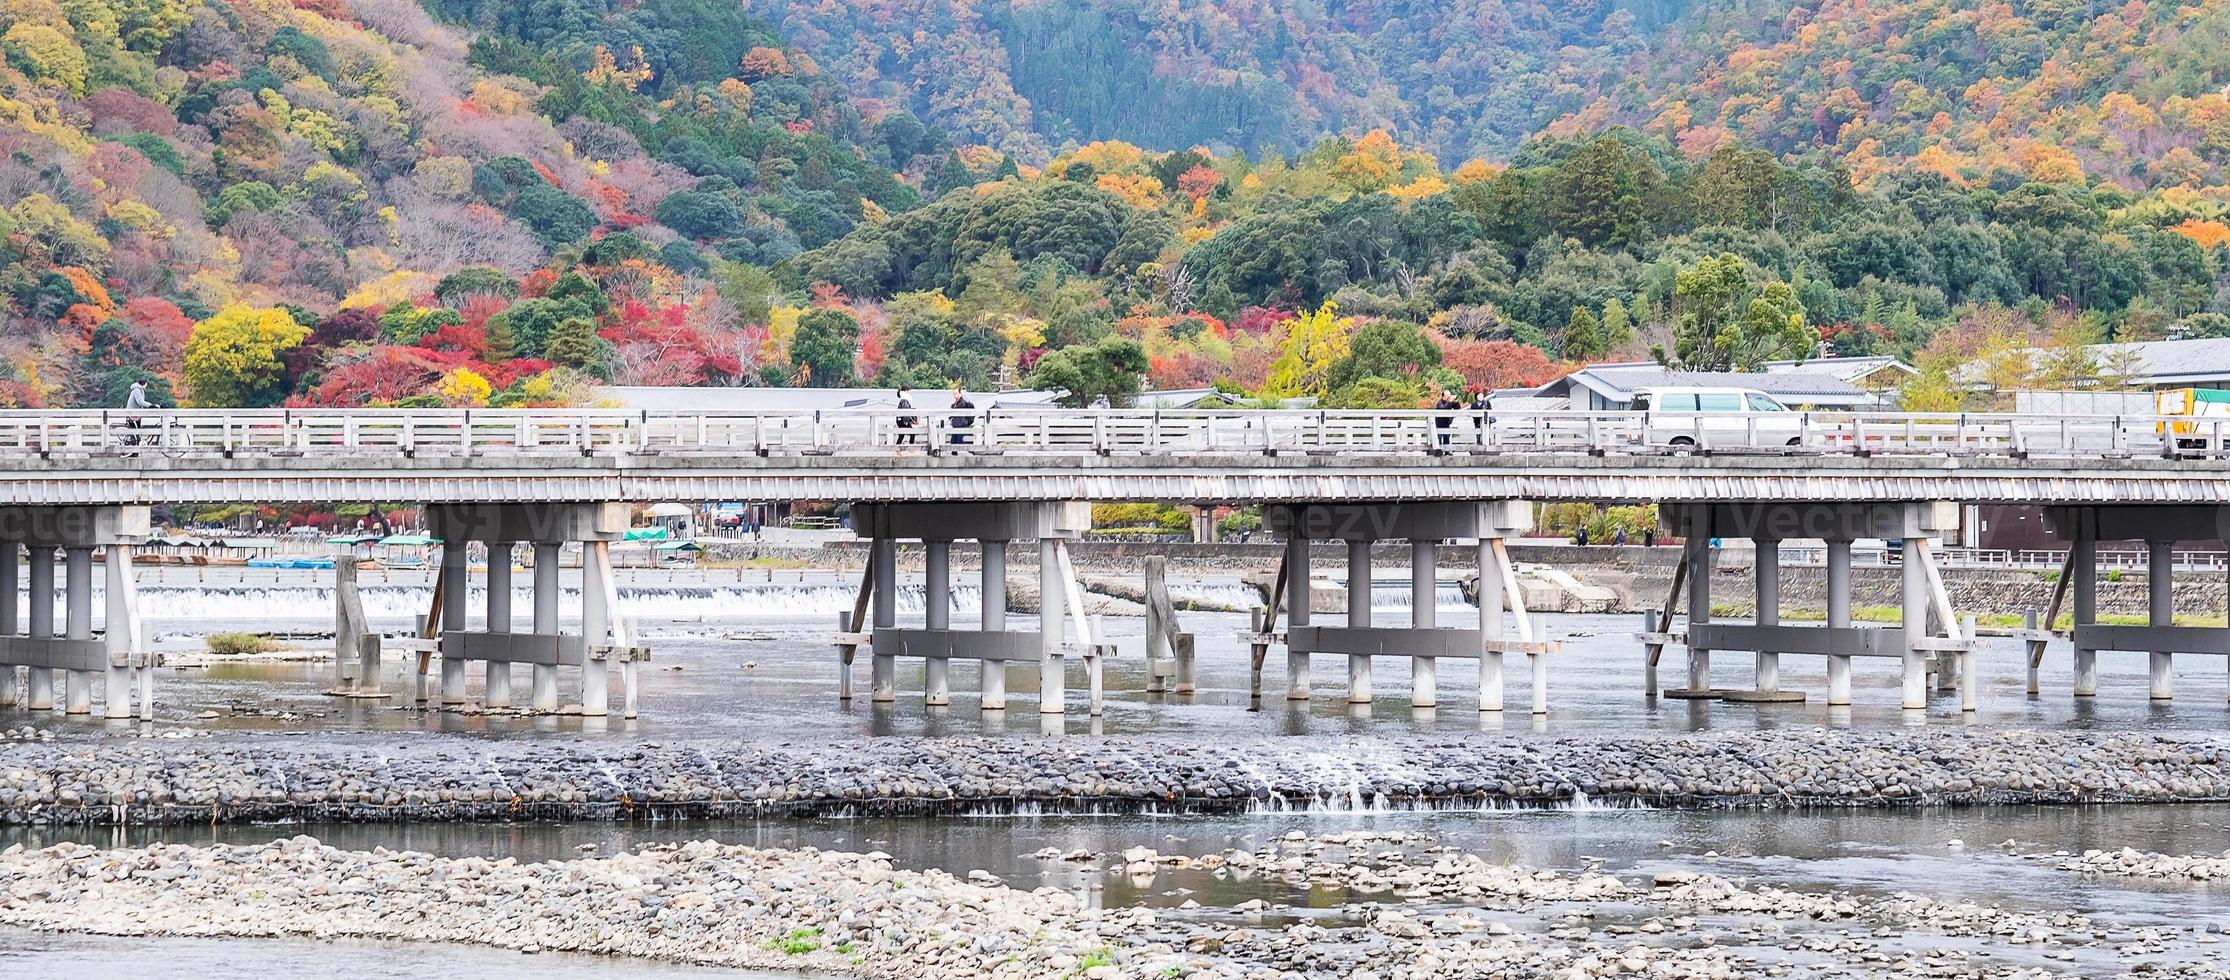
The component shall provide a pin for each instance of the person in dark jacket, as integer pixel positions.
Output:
(1445, 409)
(1480, 406)
(960, 423)
(907, 422)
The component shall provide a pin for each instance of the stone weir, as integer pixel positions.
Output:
(433, 778)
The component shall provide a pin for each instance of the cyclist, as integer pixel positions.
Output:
(136, 401)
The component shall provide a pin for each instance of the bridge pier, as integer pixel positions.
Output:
(937, 526)
(77, 652)
(2160, 526)
(1423, 640)
(1767, 524)
(605, 636)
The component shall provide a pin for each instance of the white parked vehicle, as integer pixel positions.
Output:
(1712, 417)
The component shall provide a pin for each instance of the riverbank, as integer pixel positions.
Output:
(432, 778)
(1392, 905)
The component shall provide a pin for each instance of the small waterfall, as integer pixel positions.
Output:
(401, 602)
(1395, 595)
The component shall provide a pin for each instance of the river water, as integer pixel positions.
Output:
(749, 660)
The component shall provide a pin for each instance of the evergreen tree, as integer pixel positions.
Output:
(1583, 340)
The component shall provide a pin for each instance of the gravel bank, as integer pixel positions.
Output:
(2132, 863)
(1405, 910)
(437, 777)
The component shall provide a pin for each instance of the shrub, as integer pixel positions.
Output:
(235, 644)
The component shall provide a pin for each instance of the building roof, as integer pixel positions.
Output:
(1847, 368)
(2167, 363)
(1618, 382)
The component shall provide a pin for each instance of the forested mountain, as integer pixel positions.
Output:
(485, 202)
(1462, 78)
(2128, 92)
(358, 202)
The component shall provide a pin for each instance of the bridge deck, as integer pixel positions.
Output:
(1226, 456)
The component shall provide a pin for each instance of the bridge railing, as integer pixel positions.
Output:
(460, 432)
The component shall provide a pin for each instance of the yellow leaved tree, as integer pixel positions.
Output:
(1312, 343)
(464, 388)
(232, 358)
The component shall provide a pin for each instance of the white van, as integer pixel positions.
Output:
(1715, 417)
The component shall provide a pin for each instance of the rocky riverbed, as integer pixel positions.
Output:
(396, 778)
(1395, 907)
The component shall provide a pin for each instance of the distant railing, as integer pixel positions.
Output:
(1107, 432)
(2029, 559)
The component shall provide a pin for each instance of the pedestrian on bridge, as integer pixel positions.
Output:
(907, 422)
(961, 423)
(1446, 407)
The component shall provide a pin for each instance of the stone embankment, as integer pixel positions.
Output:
(153, 781)
(1410, 911)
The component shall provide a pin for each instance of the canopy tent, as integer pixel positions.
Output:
(408, 540)
(668, 510)
(645, 534)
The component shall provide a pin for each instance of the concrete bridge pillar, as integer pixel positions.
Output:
(936, 615)
(1424, 614)
(1359, 618)
(10, 556)
(2160, 526)
(40, 697)
(453, 587)
(1696, 531)
(1422, 639)
(1768, 523)
(1915, 619)
(545, 675)
(937, 525)
(2160, 594)
(1767, 681)
(882, 676)
(1052, 624)
(2083, 557)
(605, 637)
(75, 650)
(1492, 589)
(77, 606)
(1838, 617)
(993, 682)
(499, 620)
(1297, 599)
